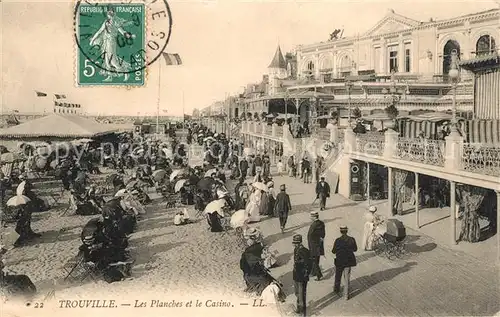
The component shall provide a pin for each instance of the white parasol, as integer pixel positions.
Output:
(20, 188)
(121, 193)
(239, 218)
(260, 186)
(210, 172)
(215, 206)
(18, 200)
(180, 184)
(175, 174)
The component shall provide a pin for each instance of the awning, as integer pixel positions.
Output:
(480, 61)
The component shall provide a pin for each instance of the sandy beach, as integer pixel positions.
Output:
(172, 263)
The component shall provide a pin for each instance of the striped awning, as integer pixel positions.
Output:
(483, 131)
(490, 59)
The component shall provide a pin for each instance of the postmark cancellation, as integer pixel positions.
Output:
(116, 42)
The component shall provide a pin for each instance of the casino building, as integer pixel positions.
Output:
(418, 53)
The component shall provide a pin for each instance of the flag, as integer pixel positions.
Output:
(60, 96)
(172, 59)
(40, 94)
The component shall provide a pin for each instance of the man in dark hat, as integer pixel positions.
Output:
(243, 168)
(315, 238)
(301, 271)
(344, 248)
(306, 169)
(282, 206)
(322, 192)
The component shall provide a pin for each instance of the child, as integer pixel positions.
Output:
(279, 166)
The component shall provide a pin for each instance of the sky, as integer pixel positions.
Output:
(224, 45)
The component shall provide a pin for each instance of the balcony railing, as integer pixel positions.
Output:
(431, 152)
(480, 158)
(370, 143)
(268, 130)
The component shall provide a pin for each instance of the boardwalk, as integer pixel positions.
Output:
(432, 280)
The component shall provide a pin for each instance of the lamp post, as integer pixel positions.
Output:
(286, 98)
(393, 90)
(348, 86)
(454, 75)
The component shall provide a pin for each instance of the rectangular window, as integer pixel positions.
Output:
(407, 58)
(393, 58)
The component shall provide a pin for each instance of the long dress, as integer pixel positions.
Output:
(253, 207)
(264, 204)
(367, 243)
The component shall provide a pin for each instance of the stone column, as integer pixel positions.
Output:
(401, 55)
(334, 134)
(263, 127)
(390, 193)
(417, 202)
(453, 151)
(498, 225)
(391, 143)
(349, 141)
(453, 219)
(274, 127)
(255, 127)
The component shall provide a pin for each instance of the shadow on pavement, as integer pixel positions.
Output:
(360, 285)
(363, 283)
(414, 248)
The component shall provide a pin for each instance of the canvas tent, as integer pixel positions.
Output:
(57, 126)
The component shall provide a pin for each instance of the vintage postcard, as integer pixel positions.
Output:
(249, 158)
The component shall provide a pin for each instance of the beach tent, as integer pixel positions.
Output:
(57, 126)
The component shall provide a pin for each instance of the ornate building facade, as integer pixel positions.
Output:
(401, 44)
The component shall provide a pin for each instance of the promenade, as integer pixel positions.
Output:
(431, 280)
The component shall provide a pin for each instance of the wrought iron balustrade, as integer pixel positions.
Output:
(268, 130)
(370, 143)
(425, 151)
(480, 158)
(279, 131)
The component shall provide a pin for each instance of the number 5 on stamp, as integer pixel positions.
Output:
(111, 44)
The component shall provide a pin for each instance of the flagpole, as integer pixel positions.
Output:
(183, 106)
(158, 105)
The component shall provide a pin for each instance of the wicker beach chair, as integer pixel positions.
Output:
(78, 270)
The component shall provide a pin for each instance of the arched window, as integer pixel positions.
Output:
(310, 66)
(447, 50)
(485, 45)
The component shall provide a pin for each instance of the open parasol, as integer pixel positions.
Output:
(159, 175)
(239, 218)
(180, 184)
(210, 172)
(260, 186)
(177, 173)
(121, 192)
(215, 206)
(18, 200)
(20, 188)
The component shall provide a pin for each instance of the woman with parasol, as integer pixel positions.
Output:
(23, 225)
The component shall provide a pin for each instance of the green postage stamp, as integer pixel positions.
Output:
(111, 40)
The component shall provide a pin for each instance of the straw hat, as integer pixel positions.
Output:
(372, 209)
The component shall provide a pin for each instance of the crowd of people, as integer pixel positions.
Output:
(120, 201)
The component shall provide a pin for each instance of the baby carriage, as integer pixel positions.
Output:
(391, 241)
